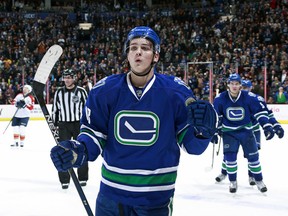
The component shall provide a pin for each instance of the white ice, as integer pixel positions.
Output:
(29, 183)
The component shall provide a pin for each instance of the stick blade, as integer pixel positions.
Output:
(47, 63)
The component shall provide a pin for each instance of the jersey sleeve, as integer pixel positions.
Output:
(93, 131)
(30, 101)
(259, 110)
(17, 98)
(190, 143)
(272, 119)
(55, 108)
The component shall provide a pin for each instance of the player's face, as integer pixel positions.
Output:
(234, 87)
(25, 90)
(140, 55)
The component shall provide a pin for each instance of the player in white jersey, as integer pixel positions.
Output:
(25, 103)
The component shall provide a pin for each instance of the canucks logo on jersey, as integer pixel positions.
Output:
(136, 127)
(235, 113)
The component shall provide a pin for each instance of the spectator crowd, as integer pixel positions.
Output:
(246, 37)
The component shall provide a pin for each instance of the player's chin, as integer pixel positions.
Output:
(139, 70)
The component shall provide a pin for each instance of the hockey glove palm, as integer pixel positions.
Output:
(269, 132)
(20, 104)
(203, 117)
(279, 131)
(68, 154)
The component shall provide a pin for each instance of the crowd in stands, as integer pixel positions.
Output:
(246, 37)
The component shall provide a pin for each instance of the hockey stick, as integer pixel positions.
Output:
(46, 65)
(213, 153)
(11, 120)
(212, 164)
(218, 150)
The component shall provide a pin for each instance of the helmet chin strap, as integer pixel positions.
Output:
(145, 72)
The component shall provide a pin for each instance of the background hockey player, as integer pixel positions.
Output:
(137, 121)
(25, 103)
(236, 108)
(247, 86)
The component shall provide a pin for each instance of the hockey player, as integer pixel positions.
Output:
(138, 122)
(247, 86)
(25, 103)
(236, 108)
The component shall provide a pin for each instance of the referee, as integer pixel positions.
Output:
(68, 104)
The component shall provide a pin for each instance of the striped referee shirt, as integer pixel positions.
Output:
(68, 104)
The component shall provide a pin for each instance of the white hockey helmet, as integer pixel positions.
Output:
(27, 89)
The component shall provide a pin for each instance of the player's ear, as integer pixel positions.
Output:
(156, 57)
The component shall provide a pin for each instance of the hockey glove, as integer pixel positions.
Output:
(20, 104)
(68, 154)
(215, 139)
(279, 131)
(203, 117)
(269, 132)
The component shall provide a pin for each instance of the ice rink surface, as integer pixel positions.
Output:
(29, 183)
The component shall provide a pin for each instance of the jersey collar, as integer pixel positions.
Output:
(145, 89)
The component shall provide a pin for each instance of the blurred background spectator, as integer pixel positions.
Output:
(247, 37)
(281, 97)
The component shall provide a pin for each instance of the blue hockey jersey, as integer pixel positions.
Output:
(272, 120)
(139, 135)
(238, 113)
